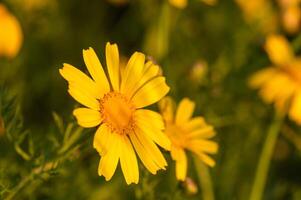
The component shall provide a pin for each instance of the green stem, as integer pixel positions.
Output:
(27, 179)
(157, 36)
(163, 30)
(205, 179)
(265, 159)
(21, 185)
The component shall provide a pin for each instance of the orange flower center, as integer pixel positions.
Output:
(176, 134)
(117, 112)
(295, 72)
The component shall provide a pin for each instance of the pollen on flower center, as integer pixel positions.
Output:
(117, 112)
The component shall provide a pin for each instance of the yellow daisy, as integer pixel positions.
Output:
(187, 133)
(116, 106)
(10, 33)
(281, 84)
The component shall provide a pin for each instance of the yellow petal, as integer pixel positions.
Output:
(149, 127)
(96, 70)
(150, 71)
(83, 97)
(295, 109)
(178, 3)
(205, 133)
(167, 109)
(278, 49)
(179, 156)
(261, 77)
(151, 92)
(285, 95)
(153, 151)
(133, 72)
(128, 161)
(199, 145)
(87, 117)
(206, 159)
(194, 123)
(109, 161)
(184, 111)
(151, 117)
(102, 138)
(112, 57)
(78, 78)
(143, 154)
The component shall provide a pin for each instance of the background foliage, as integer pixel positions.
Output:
(206, 52)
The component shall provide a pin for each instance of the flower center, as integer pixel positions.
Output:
(117, 112)
(294, 71)
(176, 134)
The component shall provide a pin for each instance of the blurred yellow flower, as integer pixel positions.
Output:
(259, 13)
(198, 71)
(263, 14)
(10, 34)
(291, 15)
(183, 3)
(281, 83)
(115, 104)
(187, 133)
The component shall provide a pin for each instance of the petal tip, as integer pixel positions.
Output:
(61, 71)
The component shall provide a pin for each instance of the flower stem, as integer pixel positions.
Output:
(27, 179)
(204, 178)
(265, 159)
(21, 185)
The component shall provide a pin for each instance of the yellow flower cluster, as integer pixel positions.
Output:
(115, 103)
(262, 14)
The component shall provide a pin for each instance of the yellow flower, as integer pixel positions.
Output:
(10, 34)
(183, 3)
(187, 133)
(291, 15)
(116, 106)
(291, 19)
(260, 14)
(281, 83)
